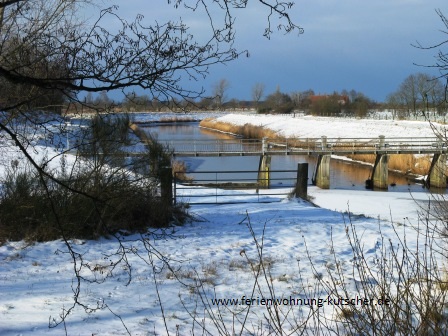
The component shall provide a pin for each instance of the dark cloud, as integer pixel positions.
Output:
(349, 44)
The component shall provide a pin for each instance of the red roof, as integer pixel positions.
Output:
(342, 99)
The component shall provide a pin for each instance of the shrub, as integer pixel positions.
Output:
(86, 206)
(23, 209)
(102, 194)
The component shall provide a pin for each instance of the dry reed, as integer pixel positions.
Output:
(180, 171)
(405, 163)
(247, 130)
(177, 119)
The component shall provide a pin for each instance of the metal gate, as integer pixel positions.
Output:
(229, 187)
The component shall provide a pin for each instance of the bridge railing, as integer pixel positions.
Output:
(399, 145)
(215, 146)
(387, 145)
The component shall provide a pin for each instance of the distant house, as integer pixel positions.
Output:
(328, 105)
(342, 99)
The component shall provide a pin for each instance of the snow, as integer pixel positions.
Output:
(315, 127)
(37, 280)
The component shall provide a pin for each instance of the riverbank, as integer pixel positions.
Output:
(168, 120)
(287, 127)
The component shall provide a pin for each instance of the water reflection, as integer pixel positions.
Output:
(181, 131)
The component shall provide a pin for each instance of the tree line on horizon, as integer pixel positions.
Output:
(418, 93)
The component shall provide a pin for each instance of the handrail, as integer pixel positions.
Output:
(398, 145)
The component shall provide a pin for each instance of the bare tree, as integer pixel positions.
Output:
(258, 92)
(442, 56)
(90, 58)
(220, 92)
(419, 92)
(441, 65)
(393, 102)
(296, 98)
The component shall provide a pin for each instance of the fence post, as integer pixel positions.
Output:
(301, 189)
(264, 145)
(324, 142)
(264, 175)
(382, 141)
(175, 188)
(166, 185)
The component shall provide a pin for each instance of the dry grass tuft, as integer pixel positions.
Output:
(180, 171)
(210, 269)
(237, 264)
(346, 313)
(267, 263)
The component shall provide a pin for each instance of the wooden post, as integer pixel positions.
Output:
(264, 146)
(322, 173)
(382, 144)
(436, 176)
(301, 189)
(264, 175)
(380, 173)
(166, 185)
(324, 142)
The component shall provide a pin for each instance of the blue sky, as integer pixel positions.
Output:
(348, 44)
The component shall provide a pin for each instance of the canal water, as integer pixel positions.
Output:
(344, 174)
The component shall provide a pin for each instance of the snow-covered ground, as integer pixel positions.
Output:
(315, 127)
(37, 280)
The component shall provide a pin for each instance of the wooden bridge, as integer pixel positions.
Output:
(323, 148)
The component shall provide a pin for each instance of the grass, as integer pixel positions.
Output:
(247, 130)
(177, 119)
(207, 275)
(210, 273)
(180, 171)
(237, 264)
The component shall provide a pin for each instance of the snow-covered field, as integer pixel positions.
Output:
(37, 280)
(315, 127)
